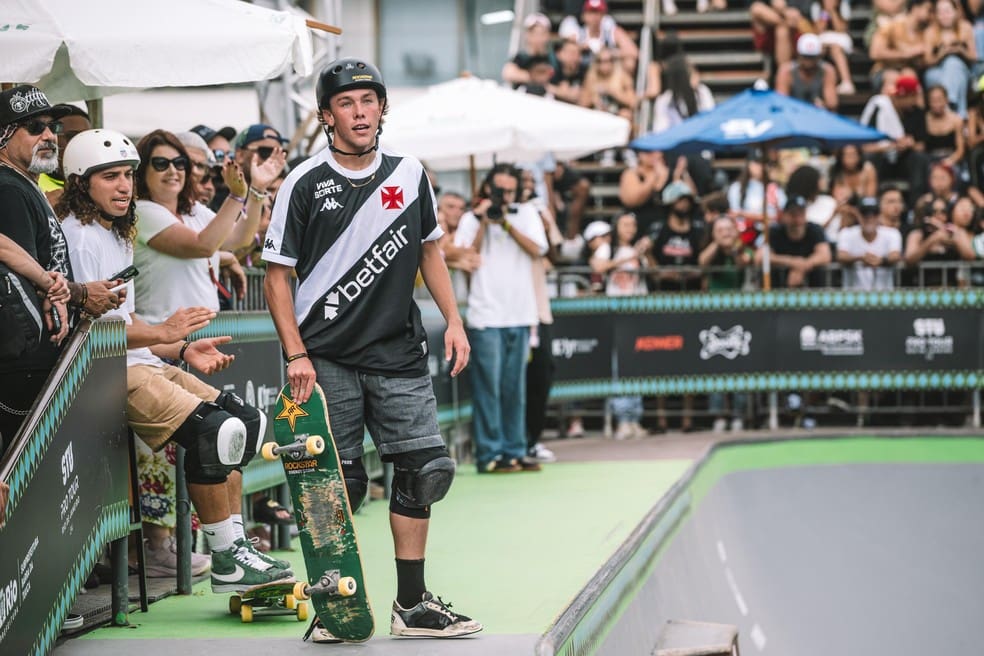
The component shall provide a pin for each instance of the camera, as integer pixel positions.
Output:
(498, 198)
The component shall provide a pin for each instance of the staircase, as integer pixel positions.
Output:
(720, 45)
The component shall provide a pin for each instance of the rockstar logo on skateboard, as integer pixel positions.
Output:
(291, 411)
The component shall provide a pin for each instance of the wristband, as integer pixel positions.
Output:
(85, 296)
(184, 347)
(257, 194)
(296, 356)
(238, 199)
(506, 226)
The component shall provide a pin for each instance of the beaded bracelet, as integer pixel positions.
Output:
(257, 194)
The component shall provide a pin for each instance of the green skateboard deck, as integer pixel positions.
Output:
(324, 518)
(276, 598)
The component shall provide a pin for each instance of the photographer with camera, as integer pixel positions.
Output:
(508, 236)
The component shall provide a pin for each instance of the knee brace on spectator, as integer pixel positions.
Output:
(254, 420)
(420, 478)
(214, 442)
(356, 481)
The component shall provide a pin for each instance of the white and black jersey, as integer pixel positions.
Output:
(354, 239)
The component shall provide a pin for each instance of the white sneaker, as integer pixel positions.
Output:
(638, 430)
(737, 425)
(541, 453)
(703, 6)
(624, 431)
(845, 88)
(575, 428)
(719, 425)
(669, 8)
(608, 158)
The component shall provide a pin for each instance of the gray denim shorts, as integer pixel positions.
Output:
(400, 413)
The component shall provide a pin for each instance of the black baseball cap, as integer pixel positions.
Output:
(868, 205)
(207, 133)
(794, 203)
(25, 101)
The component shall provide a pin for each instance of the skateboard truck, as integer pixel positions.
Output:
(311, 445)
(331, 583)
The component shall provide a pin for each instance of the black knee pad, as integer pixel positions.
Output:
(420, 478)
(253, 418)
(214, 441)
(356, 481)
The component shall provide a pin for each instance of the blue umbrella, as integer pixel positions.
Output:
(759, 117)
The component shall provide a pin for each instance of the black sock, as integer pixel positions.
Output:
(410, 585)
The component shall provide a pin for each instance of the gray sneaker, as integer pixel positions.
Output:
(238, 568)
(431, 618)
(250, 543)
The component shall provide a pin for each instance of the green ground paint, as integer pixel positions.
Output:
(510, 550)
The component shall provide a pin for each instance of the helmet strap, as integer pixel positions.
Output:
(332, 148)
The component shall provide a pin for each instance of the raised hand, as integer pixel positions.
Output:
(184, 322)
(203, 355)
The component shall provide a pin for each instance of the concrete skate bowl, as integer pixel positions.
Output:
(810, 547)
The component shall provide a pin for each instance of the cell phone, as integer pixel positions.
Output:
(126, 274)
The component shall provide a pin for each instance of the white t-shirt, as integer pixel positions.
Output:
(859, 275)
(571, 27)
(667, 115)
(502, 293)
(167, 283)
(819, 211)
(754, 198)
(97, 254)
(886, 117)
(625, 279)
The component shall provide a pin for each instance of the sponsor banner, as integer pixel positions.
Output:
(687, 344)
(878, 340)
(63, 518)
(582, 347)
(256, 375)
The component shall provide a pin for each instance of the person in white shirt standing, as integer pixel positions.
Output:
(501, 309)
(869, 251)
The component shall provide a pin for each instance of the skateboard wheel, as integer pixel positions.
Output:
(300, 591)
(314, 445)
(290, 602)
(267, 451)
(246, 614)
(235, 603)
(346, 586)
(302, 612)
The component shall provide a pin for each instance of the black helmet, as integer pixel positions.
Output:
(348, 73)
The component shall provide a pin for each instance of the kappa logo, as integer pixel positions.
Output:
(331, 204)
(740, 128)
(268, 244)
(392, 198)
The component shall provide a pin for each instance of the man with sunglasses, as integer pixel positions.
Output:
(74, 122)
(259, 141)
(29, 127)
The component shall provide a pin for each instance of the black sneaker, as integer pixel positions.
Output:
(431, 618)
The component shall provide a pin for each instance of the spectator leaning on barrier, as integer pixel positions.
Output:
(164, 403)
(356, 222)
(869, 251)
(799, 249)
(501, 310)
(28, 147)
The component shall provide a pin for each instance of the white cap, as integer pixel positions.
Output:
(536, 18)
(808, 45)
(596, 229)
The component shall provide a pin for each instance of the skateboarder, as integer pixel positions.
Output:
(355, 222)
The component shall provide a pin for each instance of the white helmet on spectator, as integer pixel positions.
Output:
(98, 149)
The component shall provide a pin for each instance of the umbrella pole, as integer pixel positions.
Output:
(95, 109)
(766, 254)
(472, 175)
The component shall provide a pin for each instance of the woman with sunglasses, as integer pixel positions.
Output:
(178, 251)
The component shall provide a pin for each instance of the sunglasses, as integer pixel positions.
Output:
(263, 152)
(37, 127)
(220, 155)
(160, 164)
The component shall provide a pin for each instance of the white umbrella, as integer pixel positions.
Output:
(78, 50)
(470, 117)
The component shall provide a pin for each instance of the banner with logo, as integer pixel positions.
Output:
(694, 344)
(582, 347)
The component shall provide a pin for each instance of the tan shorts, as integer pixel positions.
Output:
(160, 399)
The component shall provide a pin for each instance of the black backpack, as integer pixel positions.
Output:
(21, 323)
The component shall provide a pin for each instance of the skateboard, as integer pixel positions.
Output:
(276, 598)
(336, 584)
